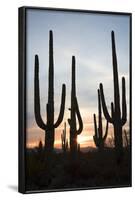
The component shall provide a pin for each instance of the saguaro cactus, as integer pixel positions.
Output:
(74, 112)
(99, 139)
(118, 118)
(50, 126)
(64, 141)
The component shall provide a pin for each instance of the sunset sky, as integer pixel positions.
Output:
(87, 36)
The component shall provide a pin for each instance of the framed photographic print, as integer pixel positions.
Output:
(74, 99)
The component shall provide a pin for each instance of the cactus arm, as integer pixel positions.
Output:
(112, 110)
(95, 137)
(96, 141)
(38, 118)
(62, 108)
(124, 107)
(106, 131)
(79, 118)
(95, 126)
(107, 116)
(100, 131)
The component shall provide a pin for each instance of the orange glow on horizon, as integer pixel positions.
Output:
(84, 141)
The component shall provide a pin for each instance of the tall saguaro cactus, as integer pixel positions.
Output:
(99, 139)
(118, 115)
(50, 126)
(64, 140)
(74, 112)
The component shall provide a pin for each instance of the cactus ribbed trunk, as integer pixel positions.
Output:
(49, 138)
(50, 126)
(118, 118)
(73, 134)
(74, 113)
(117, 114)
(118, 141)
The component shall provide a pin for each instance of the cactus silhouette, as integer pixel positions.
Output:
(118, 118)
(64, 141)
(74, 112)
(50, 126)
(99, 139)
(40, 147)
(78, 147)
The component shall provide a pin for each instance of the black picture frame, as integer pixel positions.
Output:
(22, 84)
